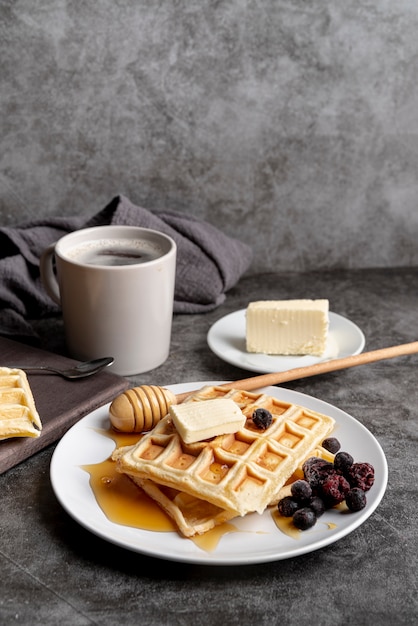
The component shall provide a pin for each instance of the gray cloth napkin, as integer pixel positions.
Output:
(209, 262)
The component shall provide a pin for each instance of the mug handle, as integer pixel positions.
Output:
(48, 275)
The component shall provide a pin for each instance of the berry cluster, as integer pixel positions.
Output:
(327, 484)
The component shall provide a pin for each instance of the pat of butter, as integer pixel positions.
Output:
(287, 327)
(196, 421)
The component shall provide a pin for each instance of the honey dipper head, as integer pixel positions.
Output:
(139, 409)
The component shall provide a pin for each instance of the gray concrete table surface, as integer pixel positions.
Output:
(53, 571)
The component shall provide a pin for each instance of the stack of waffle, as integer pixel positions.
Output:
(203, 484)
(18, 414)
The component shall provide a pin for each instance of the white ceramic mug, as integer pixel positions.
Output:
(115, 286)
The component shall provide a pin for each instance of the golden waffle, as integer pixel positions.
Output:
(194, 516)
(191, 515)
(18, 414)
(241, 472)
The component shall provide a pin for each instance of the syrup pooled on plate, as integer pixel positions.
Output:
(119, 498)
(124, 503)
(285, 524)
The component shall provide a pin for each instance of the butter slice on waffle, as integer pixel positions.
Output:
(239, 473)
(18, 414)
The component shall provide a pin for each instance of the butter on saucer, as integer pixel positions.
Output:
(287, 327)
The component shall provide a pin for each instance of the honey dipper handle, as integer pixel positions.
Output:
(275, 378)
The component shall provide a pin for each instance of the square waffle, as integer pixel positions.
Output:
(18, 414)
(194, 516)
(240, 472)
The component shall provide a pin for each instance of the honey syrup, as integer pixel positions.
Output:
(124, 503)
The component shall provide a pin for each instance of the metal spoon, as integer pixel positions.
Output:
(79, 371)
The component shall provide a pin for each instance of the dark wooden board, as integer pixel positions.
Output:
(60, 403)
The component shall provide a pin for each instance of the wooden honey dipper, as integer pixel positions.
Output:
(139, 409)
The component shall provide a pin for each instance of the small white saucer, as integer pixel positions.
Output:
(226, 338)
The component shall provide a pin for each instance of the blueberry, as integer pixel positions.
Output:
(356, 499)
(262, 418)
(343, 461)
(301, 490)
(317, 505)
(331, 444)
(288, 506)
(304, 518)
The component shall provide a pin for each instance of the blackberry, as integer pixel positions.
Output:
(311, 461)
(304, 518)
(316, 470)
(301, 490)
(331, 444)
(288, 506)
(343, 461)
(356, 499)
(262, 418)
(361, 475)
(334, 489)
(317, 505)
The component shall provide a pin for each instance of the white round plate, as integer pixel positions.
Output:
(258, 540)
(226, 338)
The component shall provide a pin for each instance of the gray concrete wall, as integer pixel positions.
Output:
(290, 124)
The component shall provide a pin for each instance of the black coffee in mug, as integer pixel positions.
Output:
(111, 252)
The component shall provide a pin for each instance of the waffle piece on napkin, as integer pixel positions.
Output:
(240, 472)
(18, 414)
